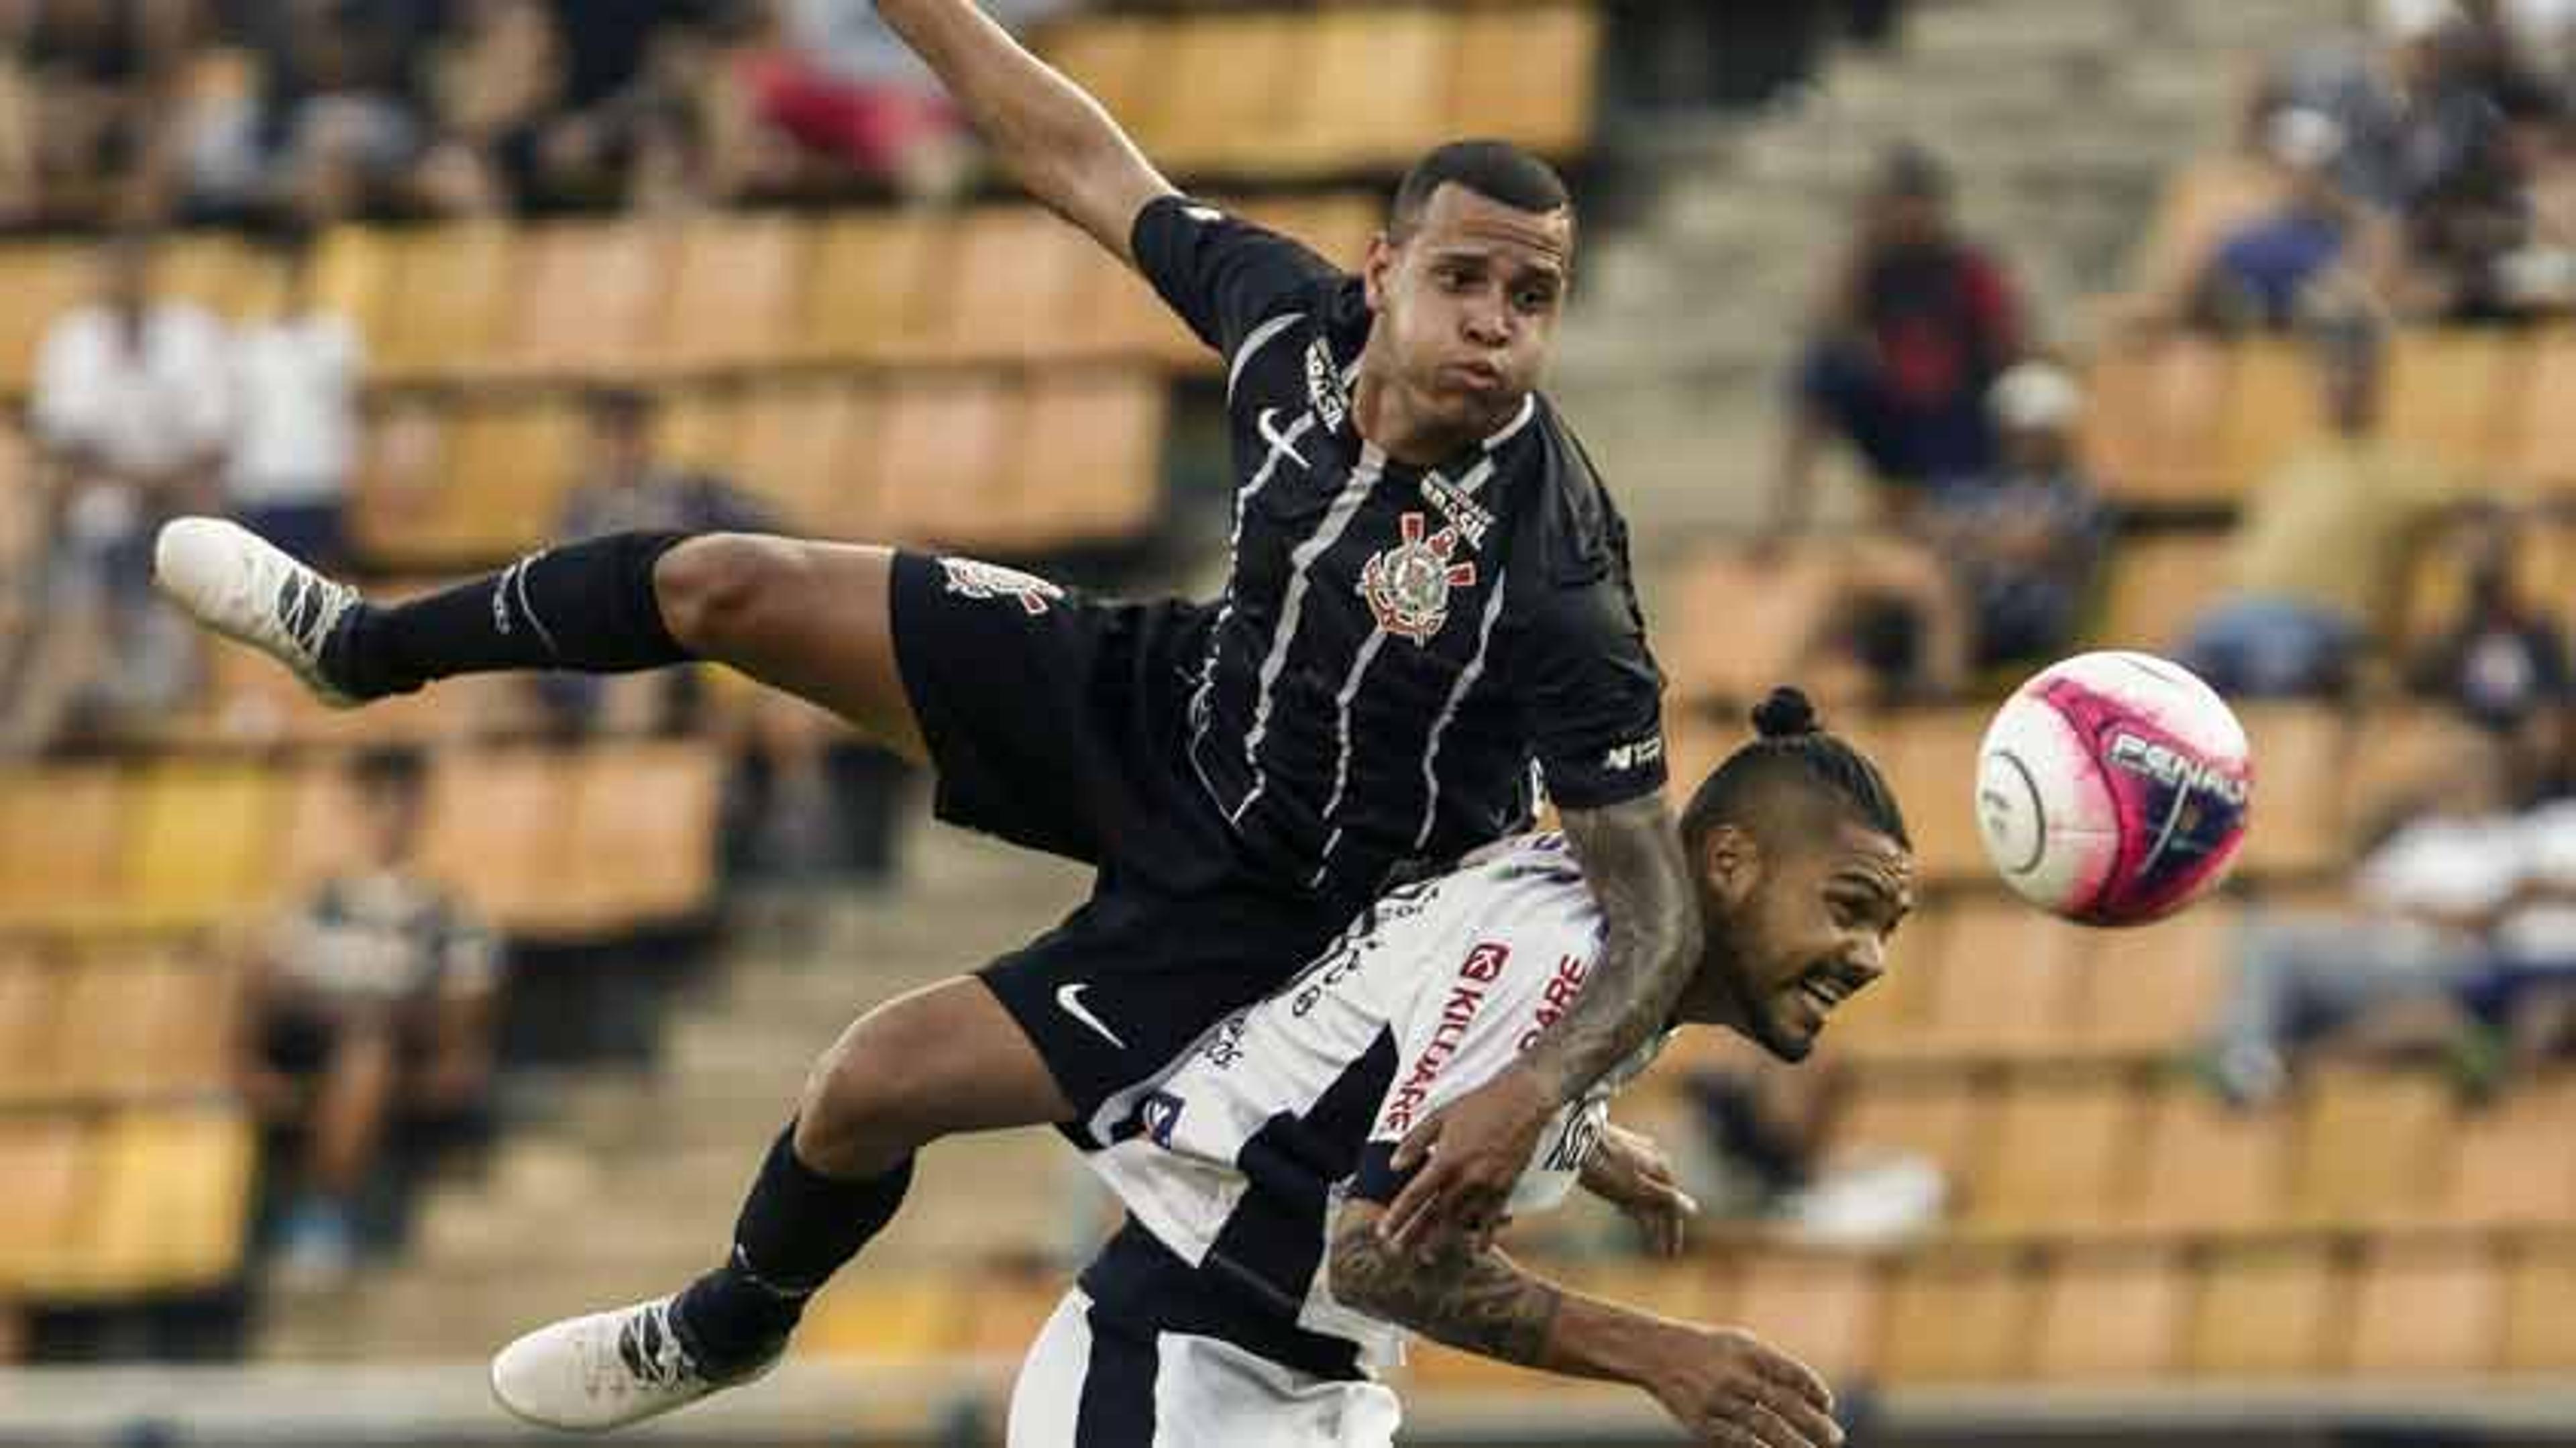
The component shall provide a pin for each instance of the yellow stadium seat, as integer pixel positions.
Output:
(2154, 991)
(1025, 264)
(62, 847)
(2266, 1311)
(735, 287)
(1227, 85)
(1958, 1316)
(944, 449)
(2007, 982)
(1770, 611)
(2158, 586)
(1119, 60)
(1089, 459)
(2208, 1168)
(2370, 1143)
(1822, 1308)
(1005, 1310)
(46, 1160)
(454, 289)
(2409, 754)
(1374, 95)
(356, 273)
(2110, 1314)
(140, 1022)
(2299, 824)
(1524, 73)
(2152, 420)
(2450, 395)
(325, 835)
(42, 280)
(697, 427)
(2065, 1152)
(877, 288)
(2539, 1331)
(172, 1200)
(1931, 764)
(886, 1318)
(2513, 1167)
(498, 829)
(503, 469)
(806, 448)
(644, 832)
(221, 274)
(2275, 408)
(200, 845)
(2537, 458)
(1942, 1117)
(2427, 1308)
(591, 297)
(30, 1024)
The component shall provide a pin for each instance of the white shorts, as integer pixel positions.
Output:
(1117, 1389)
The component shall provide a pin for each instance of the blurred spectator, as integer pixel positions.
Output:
(2325, 544)
(2502, 661)
(130, 417)
(372, 1001)
(2260, 272)
(493, 81)
(1992, 570)
(296, 377)
(1918, 325)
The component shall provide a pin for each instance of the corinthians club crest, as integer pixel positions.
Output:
(1407, 586)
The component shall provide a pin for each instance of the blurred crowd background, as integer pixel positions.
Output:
(1922, 342)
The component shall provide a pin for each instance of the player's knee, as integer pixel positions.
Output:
(714, 589)
(876, 1096)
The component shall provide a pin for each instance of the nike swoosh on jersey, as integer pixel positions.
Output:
(1280, 442)
(1069, 997)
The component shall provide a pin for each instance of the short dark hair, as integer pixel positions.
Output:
(622, 409)
(1496, 170)
(1792, 748)
(389, 767)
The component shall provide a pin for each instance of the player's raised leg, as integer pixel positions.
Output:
(945, 1059)
(810, 618)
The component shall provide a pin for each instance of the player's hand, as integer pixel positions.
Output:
(1470, 1154)
(1627, 1170)
(1728, 1387)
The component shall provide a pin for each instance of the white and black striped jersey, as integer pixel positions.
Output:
(1395, 643)
(1233, 1161)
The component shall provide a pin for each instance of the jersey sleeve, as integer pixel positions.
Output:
(1475, 1014)
(1591, 695)
(1222, 275)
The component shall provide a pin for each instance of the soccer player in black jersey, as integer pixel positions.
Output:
(1430, 592)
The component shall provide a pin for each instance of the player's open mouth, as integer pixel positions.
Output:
(1483, 376)
(1826, 988)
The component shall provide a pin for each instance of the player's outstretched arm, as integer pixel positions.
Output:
(1470, 1154)
(1724, 1385)
(1051, 134)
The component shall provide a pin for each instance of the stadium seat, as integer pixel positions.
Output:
(2147, 431)
(1931, 763)
(62, 847)
(2266, 1310)
(356, 273)
(1958, 1315)
(1820, 1307)
(2537, 457)
(221, 274)
(2539, 1331)
(2370, 1144)
(171, 1203)
(2412, 752)
(30, 1024)
(1119, 59)
(644, 833)
(2299, 824)
(1027, 265)
(1525, 74)
(46, 1160)
(502, 469)
(200, 844)
(42, 280)
(2065, 1152)
(736, 288)
(944, 457)
(2209, 1168)
(2450, 395)
(497, 830)
(1089, 470)
(1005, 1310)
(2275, 407)
(143, 1022)
(877, 285)
(806, 448)
(2007, 982)
(1940, 1116)
(591, 297)
(1226, 83)
(1374, 87)
(1772, 609)
(2512, 1166)
(448, 304)
(2154, 992)
(2109, 1314)
(324, 832)
(2428, 1308)
(2159, 584)
(886, 1317)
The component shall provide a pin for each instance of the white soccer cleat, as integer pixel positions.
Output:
(241, 586)
(606, 1370)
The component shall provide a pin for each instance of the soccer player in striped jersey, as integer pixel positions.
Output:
(1252, 1291)
(1429, 595)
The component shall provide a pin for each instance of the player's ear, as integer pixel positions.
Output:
(1730, 862)
(1377, 269)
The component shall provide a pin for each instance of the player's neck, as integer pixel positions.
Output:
(1389, 415)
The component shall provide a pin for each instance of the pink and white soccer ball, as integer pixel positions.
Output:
(2114, 788)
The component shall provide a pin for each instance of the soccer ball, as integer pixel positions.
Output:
(2113, 788)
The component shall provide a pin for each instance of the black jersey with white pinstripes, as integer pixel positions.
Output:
(1396, 644)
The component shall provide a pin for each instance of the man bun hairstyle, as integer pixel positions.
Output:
(1792, 749)
(1496, 170)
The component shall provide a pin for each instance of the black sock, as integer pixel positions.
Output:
(797, 1228)
(585, 606)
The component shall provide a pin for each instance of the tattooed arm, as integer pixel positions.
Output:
(1632, 857)
(1724, 1385)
